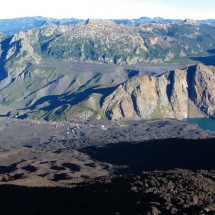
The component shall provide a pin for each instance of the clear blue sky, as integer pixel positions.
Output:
(182, 9)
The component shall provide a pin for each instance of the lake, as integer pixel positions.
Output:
(204, 123)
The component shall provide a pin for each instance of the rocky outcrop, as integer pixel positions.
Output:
(189, 22)
(176, 94)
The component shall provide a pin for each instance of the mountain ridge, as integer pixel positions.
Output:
(15, 25)
(45, 71)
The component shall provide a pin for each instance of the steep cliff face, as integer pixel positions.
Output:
(202, 88)
(176, 94)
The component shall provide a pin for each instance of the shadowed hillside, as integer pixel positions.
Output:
(157, 155)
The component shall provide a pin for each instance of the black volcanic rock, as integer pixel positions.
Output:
(172, 192)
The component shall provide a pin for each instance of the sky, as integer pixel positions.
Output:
(109, 9)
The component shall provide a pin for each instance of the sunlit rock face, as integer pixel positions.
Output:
(176, 94)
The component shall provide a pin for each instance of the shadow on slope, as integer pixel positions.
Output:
(157, 155)
(91, 199)
(115, 197)
(208, 60)
(4, 47)
(49, 103)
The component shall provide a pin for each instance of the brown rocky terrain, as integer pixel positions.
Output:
(42, 152)
(176, 94)
(103, 167)
(161, 192)
(171, 192)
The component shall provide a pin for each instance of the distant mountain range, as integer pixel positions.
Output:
(142, 20)
(79, 71)
(12, 26)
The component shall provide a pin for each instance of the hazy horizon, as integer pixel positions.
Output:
(111, 9)
(39, 16)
